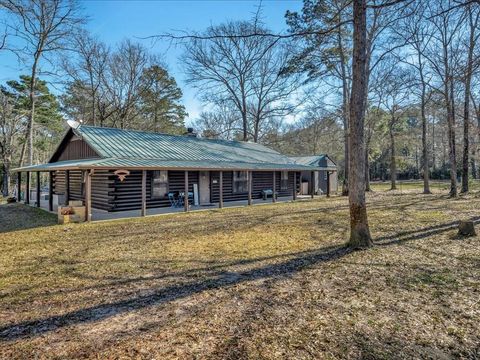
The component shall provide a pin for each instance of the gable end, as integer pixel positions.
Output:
(73, 147)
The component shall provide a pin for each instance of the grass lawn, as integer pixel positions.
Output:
(268, 282)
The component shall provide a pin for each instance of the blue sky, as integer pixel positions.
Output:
(113, 21)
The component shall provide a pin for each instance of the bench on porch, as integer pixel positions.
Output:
(268, 192)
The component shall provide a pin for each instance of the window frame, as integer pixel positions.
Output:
(284, 180)
(155, 181)
(242, 189)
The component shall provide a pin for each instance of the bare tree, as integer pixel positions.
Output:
(124, 82)
(443, 55)
(11, 126)
(226, 64)
(473, 36)
(274, 91)
(414, 30)
(88, 69)
(396, 85)
(221, 122)
(44, 28)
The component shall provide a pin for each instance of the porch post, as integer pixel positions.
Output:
(144, 193)
(294, 185)
(185, 197)
(67, 186)
(50, 191)
(312, 184)
(38, 188)
(19, 186)
(328, 183)
(274, 187)
(88, 196)
(249, 184)
(220, 201)
(27, 189)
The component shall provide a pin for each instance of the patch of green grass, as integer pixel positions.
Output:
(270, 282)
(435, 185)
(445, 279)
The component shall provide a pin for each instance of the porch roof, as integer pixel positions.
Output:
(158, 164)
(313, 160)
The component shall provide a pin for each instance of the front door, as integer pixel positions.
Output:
(204, 187)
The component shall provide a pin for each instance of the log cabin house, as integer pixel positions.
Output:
(115, 170)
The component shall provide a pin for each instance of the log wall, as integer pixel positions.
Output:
(111, 194)
(102, 187)
(128, 194)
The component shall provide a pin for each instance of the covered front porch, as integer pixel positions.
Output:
(50, 201)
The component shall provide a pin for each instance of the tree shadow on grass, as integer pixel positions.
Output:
(405, 236)
(215, 278)
(218, 279)
(16, 216)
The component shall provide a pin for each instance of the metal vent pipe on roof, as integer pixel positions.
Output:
(191, 132)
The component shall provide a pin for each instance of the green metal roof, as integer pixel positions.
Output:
(131, 149)
(312, 160)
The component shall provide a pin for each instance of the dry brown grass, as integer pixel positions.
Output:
(263, 282)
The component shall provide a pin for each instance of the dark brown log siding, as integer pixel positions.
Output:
(261, 180)
(111, 194)
(102, 187)
(128, 194)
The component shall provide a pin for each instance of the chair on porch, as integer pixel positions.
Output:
(268, 192)
(174, 200)
(181, 198)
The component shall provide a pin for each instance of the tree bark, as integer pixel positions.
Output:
(393, 165)
(426, 177)
(345, 94)
(367, 170)
(473, 164)
(451, 137)
(359, 230)
(6, 178)
(466, 108)
(31, 118)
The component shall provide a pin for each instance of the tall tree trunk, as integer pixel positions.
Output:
(31, 118)
(245, 126)
(347, 154)
(6, 177)
(367, 168)
(451, 138)
(359, 230)
(466, 107)
(434, 161)
(22, 154)
(393, 165)
(94, 107)
(426, 177)
(345, 95)
(466, 145)
(472, 162)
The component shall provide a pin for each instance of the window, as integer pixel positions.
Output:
(159, 184)
(284, 180)
(240, 182)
